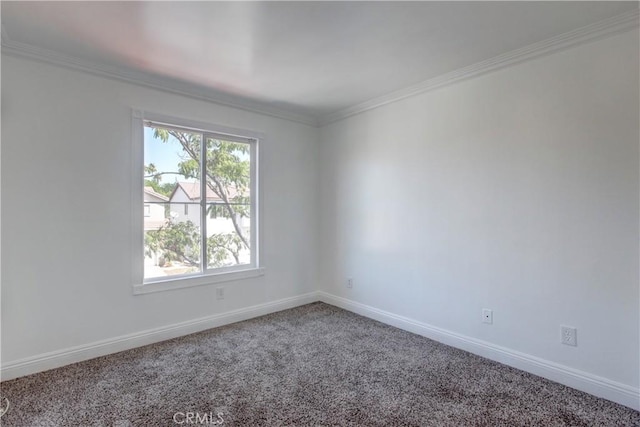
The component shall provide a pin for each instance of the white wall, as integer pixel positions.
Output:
(515, 191)
(66, 265)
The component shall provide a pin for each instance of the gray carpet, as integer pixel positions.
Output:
(309, 366)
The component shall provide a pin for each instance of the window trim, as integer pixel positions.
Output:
(207, 276)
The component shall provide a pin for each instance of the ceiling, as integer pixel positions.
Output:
(312, 59)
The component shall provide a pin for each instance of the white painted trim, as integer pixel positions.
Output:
(136, 186)
(210, 276)
(171, 284)
(598, 30)
(198, 125)
(145, 79)
(592, 384)
(56, 359)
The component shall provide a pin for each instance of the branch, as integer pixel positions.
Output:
(218, 190)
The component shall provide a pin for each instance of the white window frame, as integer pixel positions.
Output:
(206, 276)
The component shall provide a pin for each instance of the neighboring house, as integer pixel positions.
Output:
(154, 209)
(155, 216)
(185, 206)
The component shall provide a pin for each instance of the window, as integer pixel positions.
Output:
(202, 223)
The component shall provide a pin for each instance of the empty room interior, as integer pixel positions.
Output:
(320, 213)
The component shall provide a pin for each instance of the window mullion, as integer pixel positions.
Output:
(203, 202)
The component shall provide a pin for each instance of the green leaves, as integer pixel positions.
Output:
(228, 164)
(165, 189)
(152, 172)
(176, 241)
(162, 134)
(221, 246)
(189, 169)
(180, 241)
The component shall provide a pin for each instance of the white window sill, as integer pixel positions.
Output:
(188, 282)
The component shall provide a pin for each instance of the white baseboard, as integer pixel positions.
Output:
(56, 359)
(598, 386)
(592, 384)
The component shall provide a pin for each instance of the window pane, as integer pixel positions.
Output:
(228, 239)
(228, 171)
(172, 157)
(172, 244)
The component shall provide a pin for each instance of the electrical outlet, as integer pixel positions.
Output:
(568, 335)
(220, 293)
(349, 283)
(487, 316)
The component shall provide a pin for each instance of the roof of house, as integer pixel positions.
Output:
(192, 190)
(150, 191)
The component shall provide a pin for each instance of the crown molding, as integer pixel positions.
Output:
(165, 84)
(598, 30)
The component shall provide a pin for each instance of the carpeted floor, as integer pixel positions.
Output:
(309, 366)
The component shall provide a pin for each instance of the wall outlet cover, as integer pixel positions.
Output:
(487, 316)
(568, 335)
